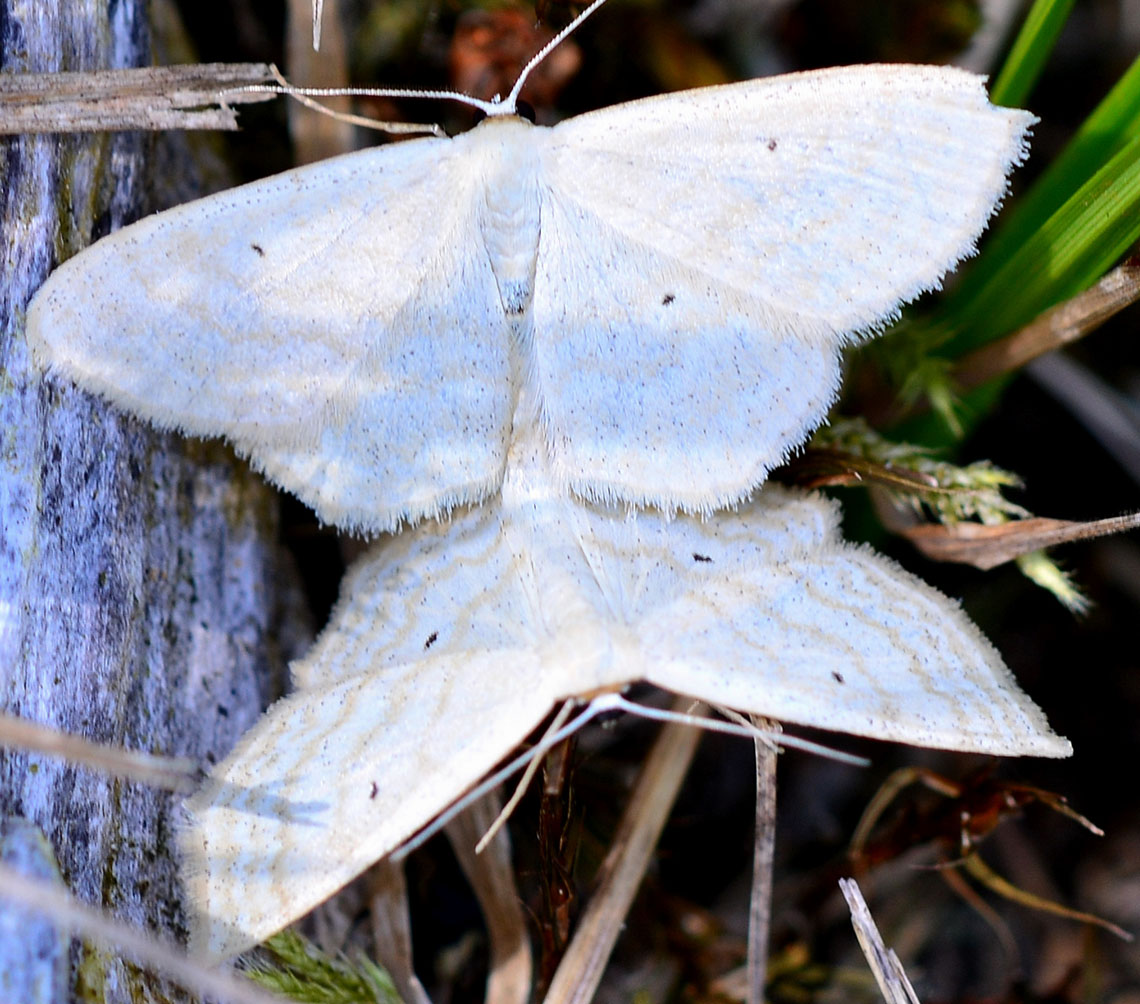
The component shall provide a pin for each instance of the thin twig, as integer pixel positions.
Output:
(153, 97)
(763, 856)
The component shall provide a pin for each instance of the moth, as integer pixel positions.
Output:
(672, 280)
(452, 642)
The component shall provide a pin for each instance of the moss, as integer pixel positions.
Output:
(91, 975)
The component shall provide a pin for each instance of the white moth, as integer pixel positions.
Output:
(453, 640)
(671, 279)
(661, 291)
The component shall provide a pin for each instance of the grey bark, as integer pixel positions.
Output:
(138, 573)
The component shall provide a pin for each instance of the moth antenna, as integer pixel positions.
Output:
(512, 99)
(492, 109)
(523, 783)
(606, 702)
(391, 128)
(544, 745)
(488, 108)
(304, 95)
(744, 729)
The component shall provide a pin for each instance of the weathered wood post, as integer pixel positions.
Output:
(139, 575)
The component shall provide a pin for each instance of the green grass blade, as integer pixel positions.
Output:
(1060, 237)
(1068, 252)
(1032, 47)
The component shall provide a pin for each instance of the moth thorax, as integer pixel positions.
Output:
(509, 222)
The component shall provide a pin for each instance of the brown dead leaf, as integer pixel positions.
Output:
(986, 547)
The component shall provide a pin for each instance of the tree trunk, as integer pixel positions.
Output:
(139, 577)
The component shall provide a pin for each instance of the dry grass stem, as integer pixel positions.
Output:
(392, 930)
(580, 971)
(171, 773)
(143, 948)
(318, 136)
(493, 880)
(889, 973)
(763, 856)
(1063, 324)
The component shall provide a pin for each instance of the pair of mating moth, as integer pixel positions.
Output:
(565, 358)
